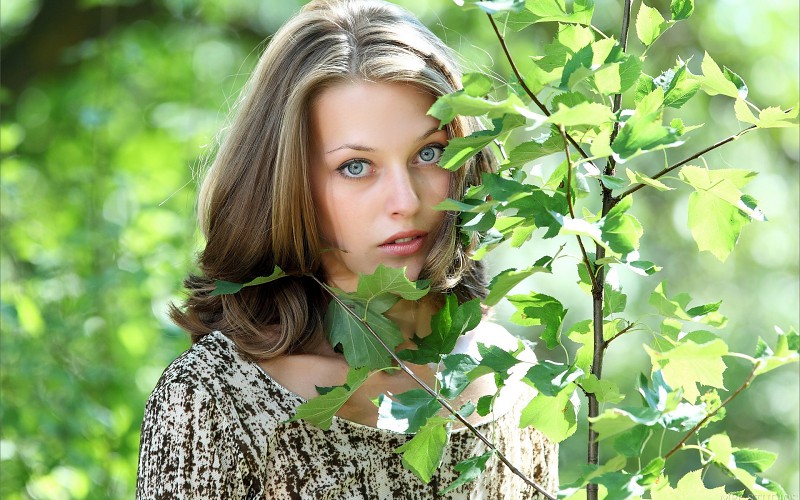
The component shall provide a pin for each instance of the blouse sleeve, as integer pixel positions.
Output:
(184, 452)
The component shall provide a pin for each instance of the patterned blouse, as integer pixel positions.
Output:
(213, 428)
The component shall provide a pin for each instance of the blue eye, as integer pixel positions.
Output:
(355, 169)
(430, 154)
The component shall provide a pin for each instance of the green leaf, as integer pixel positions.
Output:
(717, 211)
(605, 390)
(725, 456)
(503, 282)
(447, 325)
(546, 144)
(585, 113)
(614, 301)
(319, 411)
(620, 230)
(714, 80)
(496, 359)
(754, 461)
(555, 416)
(359, 345)
(640, 178)
(737, 80)
(630, 443)
(743, 112)
(550, 378)
(681, 9)
(539, 208)
(650, 24)
(222, 287)
(406, 412)
(582, 333)
(689, 364)
(469, 469)
(540, 11)
(447, 107)
(774, 117)
(689, 486)
(477, 84)
(389, 280)
(581, 227)
(785, 352)
(679, 85)
(540, 309)
(497, 6)
(461, 149)
(454, 377)
(423, 453)
(643, 131)
(615, 421)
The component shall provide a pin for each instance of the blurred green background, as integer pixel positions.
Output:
(108, 107)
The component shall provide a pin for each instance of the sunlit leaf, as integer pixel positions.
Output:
(689, 486)
(469, 470)
(320, 410)
(681, 9)
(423, 453)
(689, 364)
(222, 287)
(503, 282)
(555, 416)
(650, 24)
(407, 411)
(550, 378)
(540, 309)
(714, 80)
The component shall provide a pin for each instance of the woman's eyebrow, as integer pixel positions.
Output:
(355, 147)
(360, 147)
(429, 133)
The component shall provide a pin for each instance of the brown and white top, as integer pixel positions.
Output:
(213, 428)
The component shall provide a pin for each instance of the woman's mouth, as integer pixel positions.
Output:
(404, 244)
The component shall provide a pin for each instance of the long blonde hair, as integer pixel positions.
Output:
(255, 207)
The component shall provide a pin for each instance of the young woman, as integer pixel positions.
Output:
(329, 169)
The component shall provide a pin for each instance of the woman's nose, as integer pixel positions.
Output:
(403, 196)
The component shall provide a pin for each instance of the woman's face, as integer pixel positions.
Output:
(375, 178)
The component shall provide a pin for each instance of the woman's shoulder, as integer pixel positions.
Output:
(199, 365)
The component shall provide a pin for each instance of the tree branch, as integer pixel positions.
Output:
(586, 262)
(728, 400)
(445, 404)
(626, 22)
(618, 334)
(525, 86)
(683, 162)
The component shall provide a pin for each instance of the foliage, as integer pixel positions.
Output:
(586, 77)
(99, 140)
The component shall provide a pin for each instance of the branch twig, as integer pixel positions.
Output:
(683, 162)
(525, 86)
(445, 404)
(728, 400)
(586, 262)
(626, 22)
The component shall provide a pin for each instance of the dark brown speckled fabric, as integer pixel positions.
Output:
(213, 429)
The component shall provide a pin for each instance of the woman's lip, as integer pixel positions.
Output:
(404, 248)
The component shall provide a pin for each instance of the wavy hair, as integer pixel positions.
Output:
(255, 207)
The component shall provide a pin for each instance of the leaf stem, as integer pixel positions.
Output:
(525, 86)
(618, 334)
(572, 209)
(683, 162)
(445, 404)
(700, 424)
